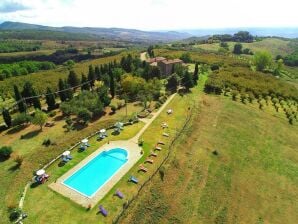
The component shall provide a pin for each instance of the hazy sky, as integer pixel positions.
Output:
(153, 14)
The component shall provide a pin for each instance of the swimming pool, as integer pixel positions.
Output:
(92, 176)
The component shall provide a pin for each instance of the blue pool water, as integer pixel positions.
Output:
(94, 174)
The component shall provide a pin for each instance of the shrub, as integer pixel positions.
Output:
(5, 152)
(46, 142)
(84, 115)
(52, 113)
(18, 160)
(15, 214)
(113, 108)
(214, 67)
(21, 119)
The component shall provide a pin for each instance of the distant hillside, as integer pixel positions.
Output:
(288, 32)
(108, 33)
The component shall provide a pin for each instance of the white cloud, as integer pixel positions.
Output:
(157, 14)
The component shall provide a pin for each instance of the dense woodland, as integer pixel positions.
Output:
(23, 68)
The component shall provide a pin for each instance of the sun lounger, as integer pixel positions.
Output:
(153, 154)
(164, 125)
(119, 194)
(149, 160)
(87, 144)
(69, 157)
(142, 168)
(165, 134)
(133, 179)
(161, 143)
(158, 148)
(103, 211)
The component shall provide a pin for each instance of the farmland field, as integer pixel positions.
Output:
(223, 172)
(272, 45)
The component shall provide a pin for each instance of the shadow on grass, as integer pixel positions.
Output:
(30, 134)
(16, 129)
(61, 164)
(3, 159)
(14, 168)
(58, 118)
(35, 184)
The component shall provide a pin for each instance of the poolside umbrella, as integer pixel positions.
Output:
(66, 153)
(85, 140)
(102, 131)
(40, 172)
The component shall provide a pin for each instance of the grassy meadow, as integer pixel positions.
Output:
(236, 164)
(273, 45)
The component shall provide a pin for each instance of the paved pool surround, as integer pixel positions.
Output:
(134, 154)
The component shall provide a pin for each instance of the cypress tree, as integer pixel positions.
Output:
(85, 85)
(97, 72)
(73, 79)
(112, 84)
(187, 80)
(35, 100)
(28, 92)
(196, 74)
(62, 94)
(6, 117)
(50, 99)
(91, 75)
(18, 98)
(69, 91)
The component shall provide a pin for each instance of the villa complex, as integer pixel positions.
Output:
(165, 65)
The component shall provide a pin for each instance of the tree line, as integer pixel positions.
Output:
(23, 68)
(130, 79)
(7, 46)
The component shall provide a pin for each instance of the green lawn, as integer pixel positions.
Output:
(252, 179)
(12, 181)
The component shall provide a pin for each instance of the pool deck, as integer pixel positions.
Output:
(134, 154)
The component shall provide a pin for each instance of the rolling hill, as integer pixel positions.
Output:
(96, 33)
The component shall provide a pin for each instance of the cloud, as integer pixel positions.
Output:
(152, 14)
(8, 6)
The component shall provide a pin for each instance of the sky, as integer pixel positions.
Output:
(153, 14)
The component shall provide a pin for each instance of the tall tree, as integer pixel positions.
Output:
(35, 100)
(173, 82)
(27, 92)
(19, 100)
(61, 90)
(150, 51)
(196, 74)
(97, 72)
(6, 117)
(50, 99)
(187, 80)
(112, 84)
(84, 83)
(68, 91)
(73, 79)
(91, 75)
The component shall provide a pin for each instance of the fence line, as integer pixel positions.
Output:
(178, 134)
